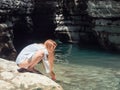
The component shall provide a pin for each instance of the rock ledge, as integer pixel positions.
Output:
(11, 79)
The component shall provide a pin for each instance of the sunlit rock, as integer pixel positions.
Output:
(11, 79)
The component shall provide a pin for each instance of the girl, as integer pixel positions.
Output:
(34, 53)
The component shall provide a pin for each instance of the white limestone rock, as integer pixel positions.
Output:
(11, 79)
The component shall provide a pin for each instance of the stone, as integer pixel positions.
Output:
(11, 79)
(6, 75)
(4, 85)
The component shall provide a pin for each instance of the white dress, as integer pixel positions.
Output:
(30, 50)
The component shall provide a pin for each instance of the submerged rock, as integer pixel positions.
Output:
(11, 79)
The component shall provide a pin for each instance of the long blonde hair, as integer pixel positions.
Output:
(50, 45)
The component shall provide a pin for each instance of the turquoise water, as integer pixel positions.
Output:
(87, 68)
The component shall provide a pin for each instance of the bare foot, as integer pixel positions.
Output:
(22, 70)
(33, 70)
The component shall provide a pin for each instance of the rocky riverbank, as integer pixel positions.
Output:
(11, 79)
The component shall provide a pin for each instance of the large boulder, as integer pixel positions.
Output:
(7, 49)
(11, 12)
(11, 79)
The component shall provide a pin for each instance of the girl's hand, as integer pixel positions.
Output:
(53, 76)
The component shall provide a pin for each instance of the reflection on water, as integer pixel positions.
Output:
(63, 52)
(86, 69)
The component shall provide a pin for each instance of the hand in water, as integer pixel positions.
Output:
(53, 76)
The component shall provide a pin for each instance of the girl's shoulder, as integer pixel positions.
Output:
(44, 48)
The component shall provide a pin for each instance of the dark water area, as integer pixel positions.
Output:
(87, 68)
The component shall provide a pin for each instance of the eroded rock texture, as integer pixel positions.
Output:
(12, 11)
(89, 22)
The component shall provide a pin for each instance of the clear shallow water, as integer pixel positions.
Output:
(87, 69)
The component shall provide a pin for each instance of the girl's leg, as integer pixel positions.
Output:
(30, 64)
(36, 58)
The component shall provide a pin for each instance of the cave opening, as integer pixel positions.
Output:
(42, 29)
